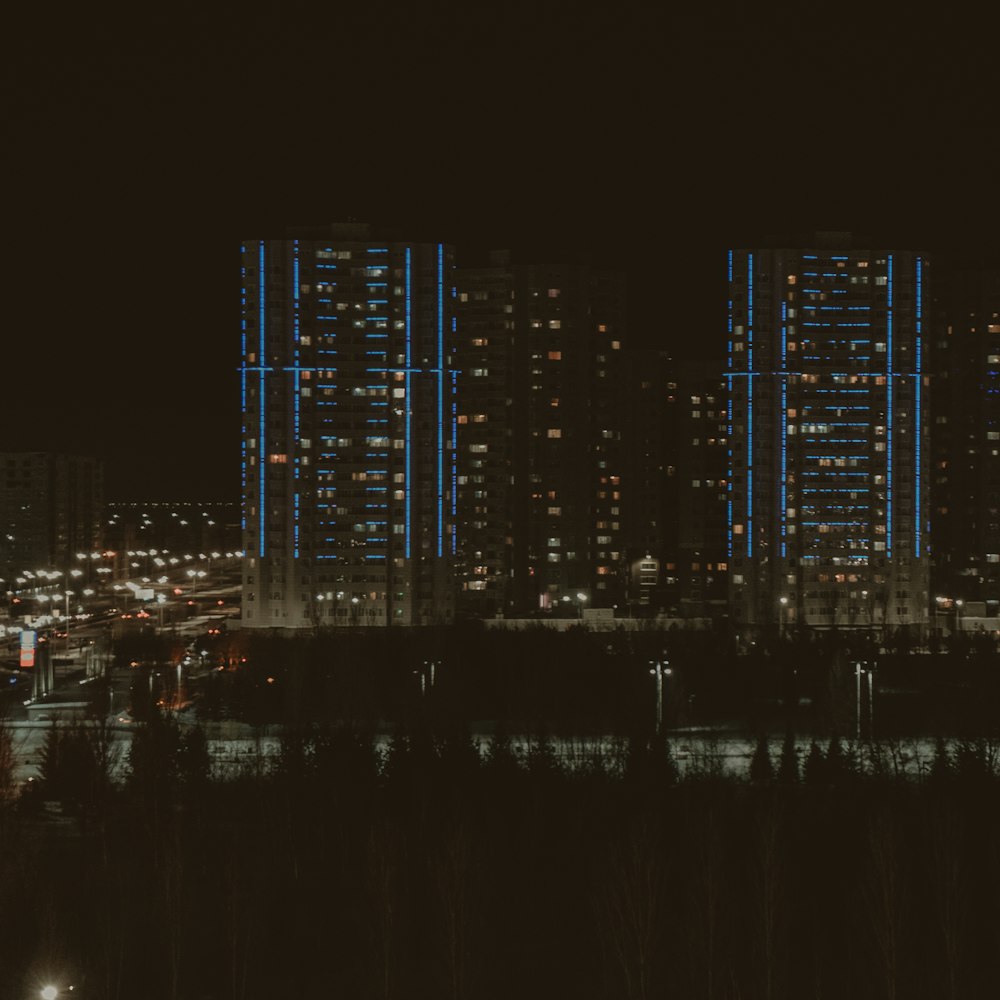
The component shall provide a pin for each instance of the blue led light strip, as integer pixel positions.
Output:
(749, 406)
(784, 428)
(919, 429)
(261, 445)
(888, 415)
(243, 390)
(440, 438)
(408, 408)
(295, 393)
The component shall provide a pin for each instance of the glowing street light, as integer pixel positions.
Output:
(659, 669)
(195, 574)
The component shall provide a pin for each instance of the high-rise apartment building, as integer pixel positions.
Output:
(51, 508)
(698, 563)
(828, 396)
(676, 491)
(348, 389)
(539, 437)
(965, 440)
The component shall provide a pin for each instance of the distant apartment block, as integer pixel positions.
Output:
(965, 438)
(828, 491)
(540, 489)
(348, 399)
(51, 508)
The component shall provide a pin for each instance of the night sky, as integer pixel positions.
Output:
(140, 153)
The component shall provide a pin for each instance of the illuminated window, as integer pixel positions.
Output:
(554, 432)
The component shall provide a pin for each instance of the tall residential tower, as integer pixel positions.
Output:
(349, 417)
(540, 437)
(827, 492)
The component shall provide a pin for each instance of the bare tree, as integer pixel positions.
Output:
(452, 865)
(628, 904)
(884, 896)
(705, 851)
(768, 892)
(945, 835)
(383, 874)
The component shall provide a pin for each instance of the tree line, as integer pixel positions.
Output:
(431, 869)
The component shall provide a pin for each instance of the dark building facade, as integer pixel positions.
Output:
(697, 565)
(51, 508)
(676, 467)
(539, 438)
(965, 438)
(348, 397)
(827, 520)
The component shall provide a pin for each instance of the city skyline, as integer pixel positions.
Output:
(670, 138)
(163, 427)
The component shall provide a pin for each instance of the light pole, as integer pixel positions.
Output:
(857, 705)
(958, 614)
(659, 670)
(861, 668)
(582, 598)
(69, 594)
(195, 574)
(783, 601)
(427, 670)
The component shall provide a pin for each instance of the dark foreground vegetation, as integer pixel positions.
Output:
(429, 871)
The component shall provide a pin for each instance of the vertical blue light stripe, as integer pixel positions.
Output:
(919, 427)
(296, 393)
(409, 409)
(888, 413)
(440, 421)
(261, 443)
(784, 428)
(749, 529)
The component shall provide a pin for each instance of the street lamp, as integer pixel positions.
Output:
(426, 670)
(49, 993)
(69, 594)
(861, 668)
(783, 601)
(195, 574)
(659, 670)
(582, 598)
(958, 613)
